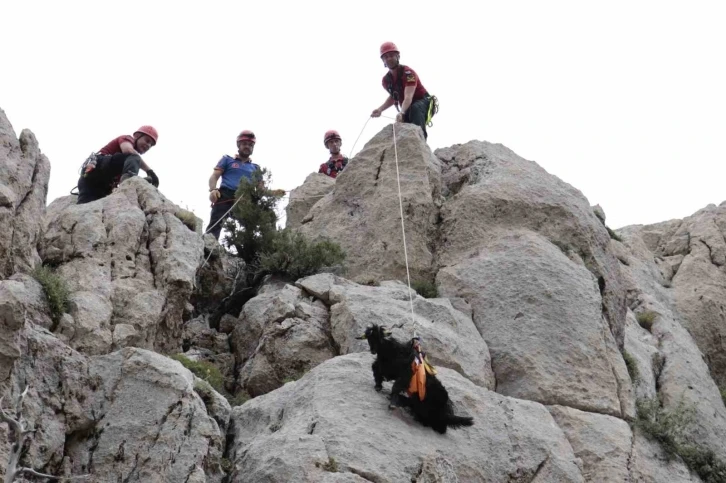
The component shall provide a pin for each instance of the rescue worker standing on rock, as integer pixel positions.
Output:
(405, 91)
(231, 170)
(117, 161)
(337, 161)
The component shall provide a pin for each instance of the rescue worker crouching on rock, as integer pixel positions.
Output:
(337, 161)
(406, 91)
(117, 161)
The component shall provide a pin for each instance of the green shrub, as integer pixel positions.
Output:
(668, 428)
(56, 291)
(646, 319)
(188, 218)
(723, 394)
(253, 222)
(331, 465)
(612, 234)
(204, 370)
(425, 289)
(632, 366)
(239, 399)
(291, 254)
(664, 426)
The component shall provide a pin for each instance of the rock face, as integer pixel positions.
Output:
(524, 249)
(669, 361)
(24, 176)
(332, 420)
(304, 197)
(491, 191)
(287, 330)
(540, 314)
(537, 312)
(449, 336)
(690, 256)
(132, 415)
(362, 211)
(281, 335)
(130, 264)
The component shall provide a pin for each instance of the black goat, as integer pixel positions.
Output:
(394, 363)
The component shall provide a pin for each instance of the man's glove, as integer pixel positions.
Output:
(152, 178)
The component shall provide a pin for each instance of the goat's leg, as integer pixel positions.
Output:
(399, 385)
(377, 376)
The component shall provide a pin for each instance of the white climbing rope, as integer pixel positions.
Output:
(403, 229)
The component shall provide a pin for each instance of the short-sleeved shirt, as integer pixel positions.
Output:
(114, 147)
(233, 169)
(403, 77)
(334, 165)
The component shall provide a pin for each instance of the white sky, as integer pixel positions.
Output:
(626, 101)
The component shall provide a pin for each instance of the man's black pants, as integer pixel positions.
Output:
(224, 203)
(102, 179)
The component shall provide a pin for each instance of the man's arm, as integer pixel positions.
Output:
(407, 98)
(213, 191)
(128, 148)
(384, 106)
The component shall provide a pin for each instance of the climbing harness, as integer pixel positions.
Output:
(433, 109)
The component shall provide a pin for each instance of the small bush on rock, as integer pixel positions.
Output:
(188, 218)
(55, 289)
(668, 428)
(291, 254)
(646, 319)
(632, 366)
(425, 289)
(204, 370)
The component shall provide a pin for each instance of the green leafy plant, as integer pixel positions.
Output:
(668, 427)
(291, 254)
(646, 319)
(204, 370)
(188, 218)
(56, 291)
(613, 235)
(252, 224)
(331, 465)
(632, 365)
(425, 288)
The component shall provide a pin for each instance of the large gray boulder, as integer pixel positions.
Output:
(362, 212)
(540, 314)
(450, 337)
(130, 264)
(304, 197)
(24, 176)
(332, 420)
(671, 364)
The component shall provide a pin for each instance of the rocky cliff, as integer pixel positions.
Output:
(539, 330)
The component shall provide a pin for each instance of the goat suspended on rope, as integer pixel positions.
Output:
(407, 367)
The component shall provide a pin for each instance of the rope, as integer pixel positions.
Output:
(356, 139)
(403, 229)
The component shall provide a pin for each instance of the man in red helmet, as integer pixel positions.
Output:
(337, 161)
(117, 161)
(232, 170)
(405, 90)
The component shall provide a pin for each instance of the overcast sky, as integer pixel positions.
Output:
(626, 101)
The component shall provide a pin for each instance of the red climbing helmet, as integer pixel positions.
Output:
(246, 135)
(149, 131)
(332, 134)
(387, 47)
